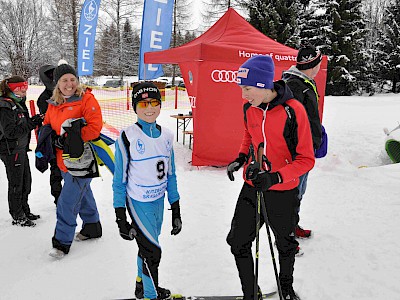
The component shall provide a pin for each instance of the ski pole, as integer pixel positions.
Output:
(271, 248)
(387, 132)
(258, 206)
(251, 173)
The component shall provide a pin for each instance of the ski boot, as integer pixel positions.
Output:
(163, 294)
(139, 292)
(289, 294)
(302, 233)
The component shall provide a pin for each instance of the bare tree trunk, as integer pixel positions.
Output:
(74, 30)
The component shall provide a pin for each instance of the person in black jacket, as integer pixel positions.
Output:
(15, 133)
(46, 76)
(300, 79)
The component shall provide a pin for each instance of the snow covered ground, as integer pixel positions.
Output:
(352, 205)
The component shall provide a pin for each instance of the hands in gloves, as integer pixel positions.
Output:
(176, 218)
(126, 231)
(59, 141)
(265, 180)
(236, 165)
(37, 119)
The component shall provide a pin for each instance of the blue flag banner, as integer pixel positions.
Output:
(156, 34)
(86, 36)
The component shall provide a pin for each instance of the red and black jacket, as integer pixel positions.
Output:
(282, 130)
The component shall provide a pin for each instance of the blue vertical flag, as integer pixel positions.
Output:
(156, 34)
(86, 36)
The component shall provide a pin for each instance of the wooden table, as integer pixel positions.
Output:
(182, 121)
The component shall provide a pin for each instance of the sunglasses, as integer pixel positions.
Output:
(152, 102)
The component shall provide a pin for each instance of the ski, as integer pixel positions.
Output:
(265, 296)
(181, 297)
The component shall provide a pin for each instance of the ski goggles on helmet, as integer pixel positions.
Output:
(146, 103)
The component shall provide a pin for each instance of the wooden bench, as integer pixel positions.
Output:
(190, 133)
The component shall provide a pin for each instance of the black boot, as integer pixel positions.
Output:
(163, 293)
(139, 292)
(32, 217)
(23, 221)
(289, 294)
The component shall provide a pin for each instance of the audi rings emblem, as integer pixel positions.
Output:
(224, 76)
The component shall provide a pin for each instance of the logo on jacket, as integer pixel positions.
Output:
(140, 146)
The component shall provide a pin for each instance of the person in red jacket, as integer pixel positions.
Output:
(68, 103)
(277, 128)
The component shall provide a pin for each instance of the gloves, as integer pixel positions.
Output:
(236, 165)
(37, 119)
(176, 218)
(265, 180)
(59, 141)
(126, 231)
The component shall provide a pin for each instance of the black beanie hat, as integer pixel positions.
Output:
(144, 90)
(308, 57)
(62, 69)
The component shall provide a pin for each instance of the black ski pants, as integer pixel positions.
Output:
(19, 183)
(282, 216)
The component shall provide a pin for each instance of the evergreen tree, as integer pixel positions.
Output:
(313, 25)
(343, 26)
(214, 9)
(106, 57)
(130, 49)
(373, 11)
(278, 19)
(390, 59)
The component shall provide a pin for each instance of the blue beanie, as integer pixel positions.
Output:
(257, 71)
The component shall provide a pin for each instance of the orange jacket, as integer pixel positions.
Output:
(75, 107)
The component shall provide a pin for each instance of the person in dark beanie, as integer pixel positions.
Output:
(277, 128)
(144, 171)
(70, 102)
(46, 76)
(15, 135)
(300, 79)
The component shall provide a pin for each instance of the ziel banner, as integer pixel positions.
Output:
(86, 36)
(156, 34)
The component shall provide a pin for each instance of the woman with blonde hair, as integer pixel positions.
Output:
(68, 104)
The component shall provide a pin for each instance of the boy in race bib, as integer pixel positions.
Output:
(144, 171)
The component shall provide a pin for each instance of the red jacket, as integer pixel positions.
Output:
(75, 107)
(287, 141)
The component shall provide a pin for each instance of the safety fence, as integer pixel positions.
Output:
(116, 105)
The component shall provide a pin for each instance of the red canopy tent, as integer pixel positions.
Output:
(209, 65)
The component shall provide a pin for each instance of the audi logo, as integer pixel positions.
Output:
(224, 76)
